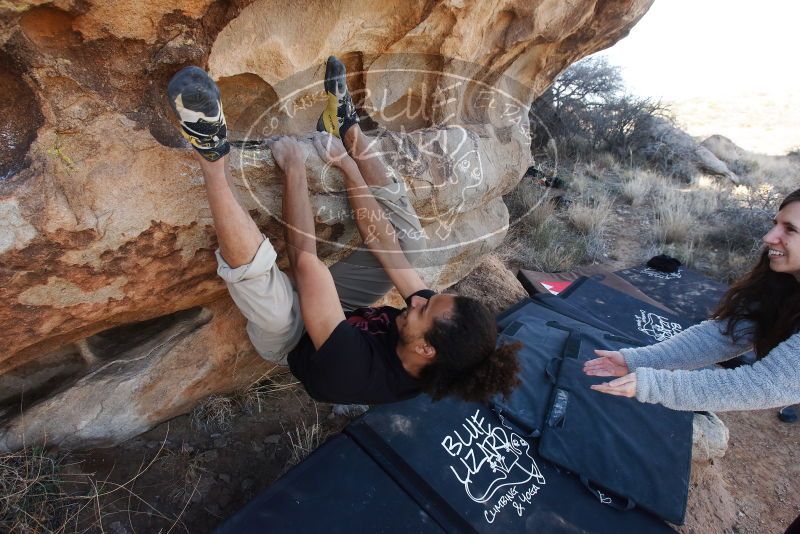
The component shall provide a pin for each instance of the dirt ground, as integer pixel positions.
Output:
(762, 471)
(189, 479)
(181, 477)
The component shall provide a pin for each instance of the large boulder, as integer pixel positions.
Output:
(103, 218)
(662, 143)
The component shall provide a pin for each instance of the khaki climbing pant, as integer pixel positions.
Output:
(266, 297)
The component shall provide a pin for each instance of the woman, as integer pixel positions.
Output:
(761, 310)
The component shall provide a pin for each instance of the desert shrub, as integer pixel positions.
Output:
(522, 200)
(590, 214)
(743, 167)
(744, 219)
(33, 497)
(587, 110)
(654, 139)
(674, 223)
(47, 491)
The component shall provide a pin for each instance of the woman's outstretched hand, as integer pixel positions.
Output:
(609, 363)
(623, 387)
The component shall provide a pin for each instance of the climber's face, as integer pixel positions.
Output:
(418, 318)
(783, 241)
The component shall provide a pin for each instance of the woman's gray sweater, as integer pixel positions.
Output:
(771, 382)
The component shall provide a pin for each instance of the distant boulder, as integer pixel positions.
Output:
(672, 150)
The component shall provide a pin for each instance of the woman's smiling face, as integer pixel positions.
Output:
(783, 241)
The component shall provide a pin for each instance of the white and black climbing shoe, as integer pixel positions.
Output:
(195, 99)
(340, 113)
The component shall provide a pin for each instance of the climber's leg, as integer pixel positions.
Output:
(245, 256)
(265, 296)
(360, 279)
(195, 99)
(361, 149)
(237, 233)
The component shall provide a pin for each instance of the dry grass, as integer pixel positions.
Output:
(45, 492)
(675, 219)
(590, 215)
(32, 493)
(637, 185)
(188, 468)
(215, 413)
(541, 240)
(305, 438)
(272, 384)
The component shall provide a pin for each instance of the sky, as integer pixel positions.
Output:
(689, 48)
(724, 67)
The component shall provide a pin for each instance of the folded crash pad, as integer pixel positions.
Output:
(630, 316)
(338, 488)
(688, 292)
(554, 283)
(635, 453)
(468, 463)
(539, 357)
(544, 342)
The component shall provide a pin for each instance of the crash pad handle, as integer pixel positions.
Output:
(572, 346)
(606, 498)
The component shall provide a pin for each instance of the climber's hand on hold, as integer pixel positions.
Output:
(288, 155)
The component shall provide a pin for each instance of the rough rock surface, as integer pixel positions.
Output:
(493, 283)
(709, 437)
(658, 139)
(103, 220)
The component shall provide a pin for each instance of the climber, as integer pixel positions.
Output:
(319, 320)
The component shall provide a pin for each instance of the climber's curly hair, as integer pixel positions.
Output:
(468, 362)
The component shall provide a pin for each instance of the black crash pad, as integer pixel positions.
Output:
(338, 488)
(688, 292)
(641, 452)
(544, 342)
(480, 476)
(554, 283)
(630, 316)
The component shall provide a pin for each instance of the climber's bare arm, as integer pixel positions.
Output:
(374, 225)
(319, 302)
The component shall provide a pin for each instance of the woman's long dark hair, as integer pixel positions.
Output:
(770, 300)
(468, 363)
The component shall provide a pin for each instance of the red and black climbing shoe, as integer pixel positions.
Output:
(340, 113)
(194, 98)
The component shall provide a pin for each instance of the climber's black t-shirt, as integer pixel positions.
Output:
(358, 363)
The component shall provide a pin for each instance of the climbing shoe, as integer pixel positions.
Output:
(194, 98)
(340, 113)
